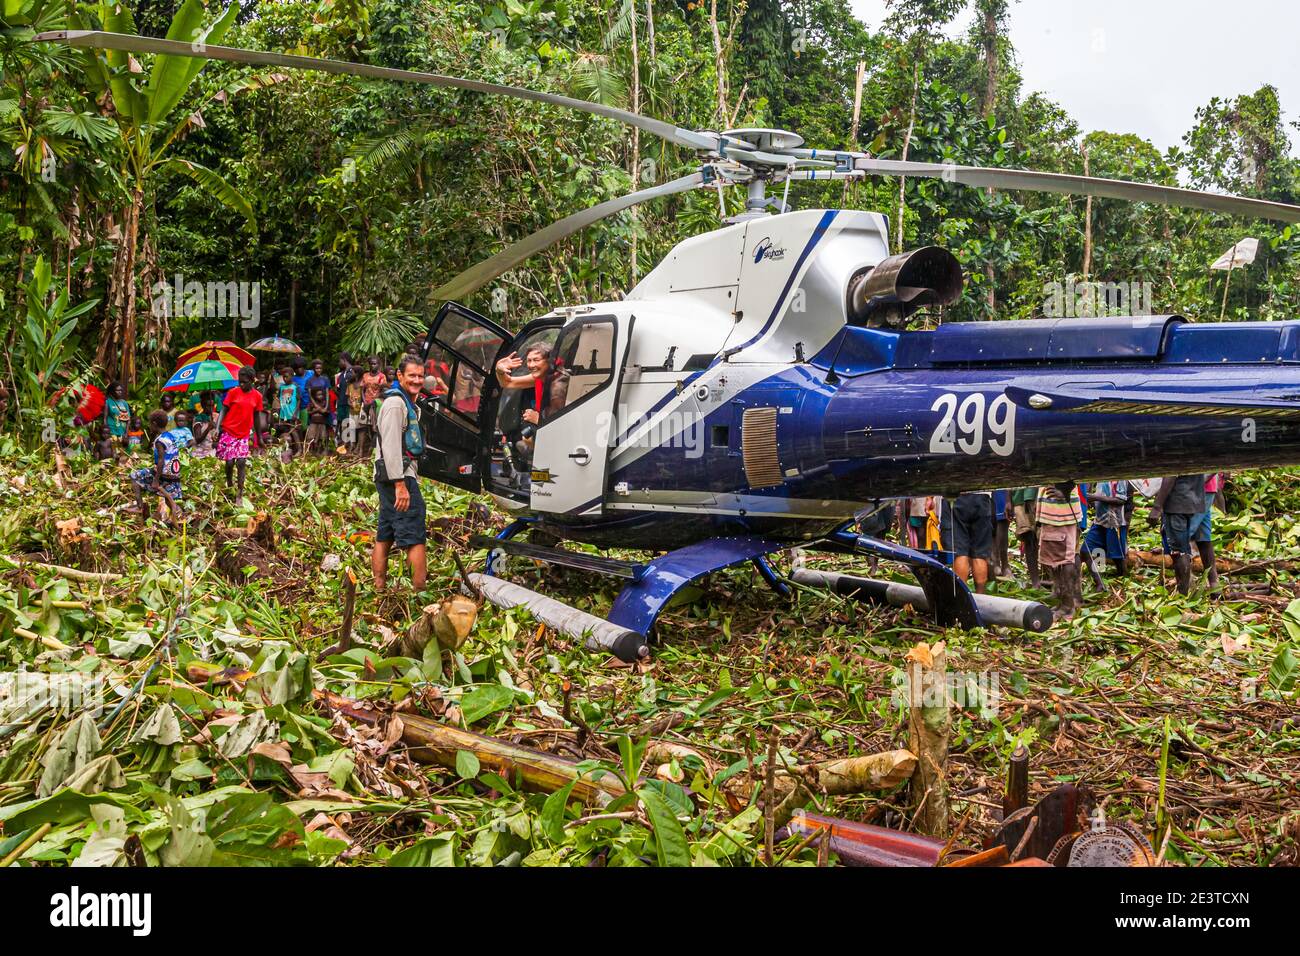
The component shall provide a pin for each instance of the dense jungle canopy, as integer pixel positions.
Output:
(349, 200)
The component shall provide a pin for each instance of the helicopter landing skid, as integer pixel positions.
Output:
(948, 596)
(639, 603)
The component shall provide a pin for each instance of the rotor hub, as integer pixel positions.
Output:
(766, 138)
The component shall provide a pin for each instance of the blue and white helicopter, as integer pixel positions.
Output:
(760, 387)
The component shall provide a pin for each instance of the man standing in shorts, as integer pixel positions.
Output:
(1059, 513)
(972, 537)
(401, 506)
(1178, 502)
(1023, 509)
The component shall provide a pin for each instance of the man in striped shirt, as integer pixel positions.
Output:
(1058, 514)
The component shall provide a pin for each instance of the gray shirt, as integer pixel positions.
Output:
(391, 425)
(1187, 497)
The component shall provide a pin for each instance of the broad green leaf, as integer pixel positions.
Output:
(250, 829)
(64, 807)
(127, 100)
(552, 820)
(670, 840)
(215, 184)
(77, 747)
(172, 75)
(436, 851)
(467, 765)
(1285, 669)
(484, 699)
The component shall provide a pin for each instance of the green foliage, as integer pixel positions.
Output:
(381, 332)
(47, 344)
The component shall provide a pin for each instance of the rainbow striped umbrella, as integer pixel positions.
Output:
(201, 376)
(227, 352)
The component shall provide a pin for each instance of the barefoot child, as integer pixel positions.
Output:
(234, 427)
(287, 413)
(104, 450)
(164, 478)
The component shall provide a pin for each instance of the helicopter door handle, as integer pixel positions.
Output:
(581, 455)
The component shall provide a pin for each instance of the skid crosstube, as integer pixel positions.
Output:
(579, 560)
(948, 595)
(654, 583)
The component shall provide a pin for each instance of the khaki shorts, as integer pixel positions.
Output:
(1057, 544)
(1024, 517)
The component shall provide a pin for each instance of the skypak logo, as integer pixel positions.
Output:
(76, 909)
(765, 250)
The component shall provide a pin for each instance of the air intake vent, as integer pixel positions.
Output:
(758, 443)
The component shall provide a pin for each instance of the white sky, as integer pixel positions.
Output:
(1144, 66)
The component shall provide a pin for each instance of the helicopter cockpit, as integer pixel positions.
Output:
(542, 394)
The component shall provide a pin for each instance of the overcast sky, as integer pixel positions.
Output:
(1144, 66)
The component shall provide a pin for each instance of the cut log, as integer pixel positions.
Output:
(1155, 559)
(880, 771)
(438, 743)
(928, 727)
(71, 574)
(794, 786)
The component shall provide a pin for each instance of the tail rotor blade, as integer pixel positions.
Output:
(483, 272)
(1031, 180)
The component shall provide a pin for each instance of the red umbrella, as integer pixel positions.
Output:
(215, 351)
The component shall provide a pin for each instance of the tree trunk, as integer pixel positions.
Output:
(720, 63)
(116, 351)
(650, 27)
(907, 143)
(1087, 223)
(990, 100)
(857, 116)
(636, 132)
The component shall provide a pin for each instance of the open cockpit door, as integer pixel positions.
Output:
(461, 349)
(577, 415)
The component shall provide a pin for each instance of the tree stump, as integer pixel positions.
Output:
(928, 729)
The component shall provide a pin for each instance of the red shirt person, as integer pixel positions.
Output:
(238, 411)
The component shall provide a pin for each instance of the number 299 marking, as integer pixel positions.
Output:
(963, 425)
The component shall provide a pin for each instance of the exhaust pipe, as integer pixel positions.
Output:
(887, 293)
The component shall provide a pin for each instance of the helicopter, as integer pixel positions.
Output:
(762, 386)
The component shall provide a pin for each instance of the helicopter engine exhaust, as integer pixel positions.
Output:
(885, 294)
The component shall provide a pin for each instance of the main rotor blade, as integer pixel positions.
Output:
(509, 257)
(137, 44)
(1017, 179)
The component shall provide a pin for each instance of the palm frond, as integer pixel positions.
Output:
(621, 28)
(87, 127)
(595, 78)
(380, 331)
